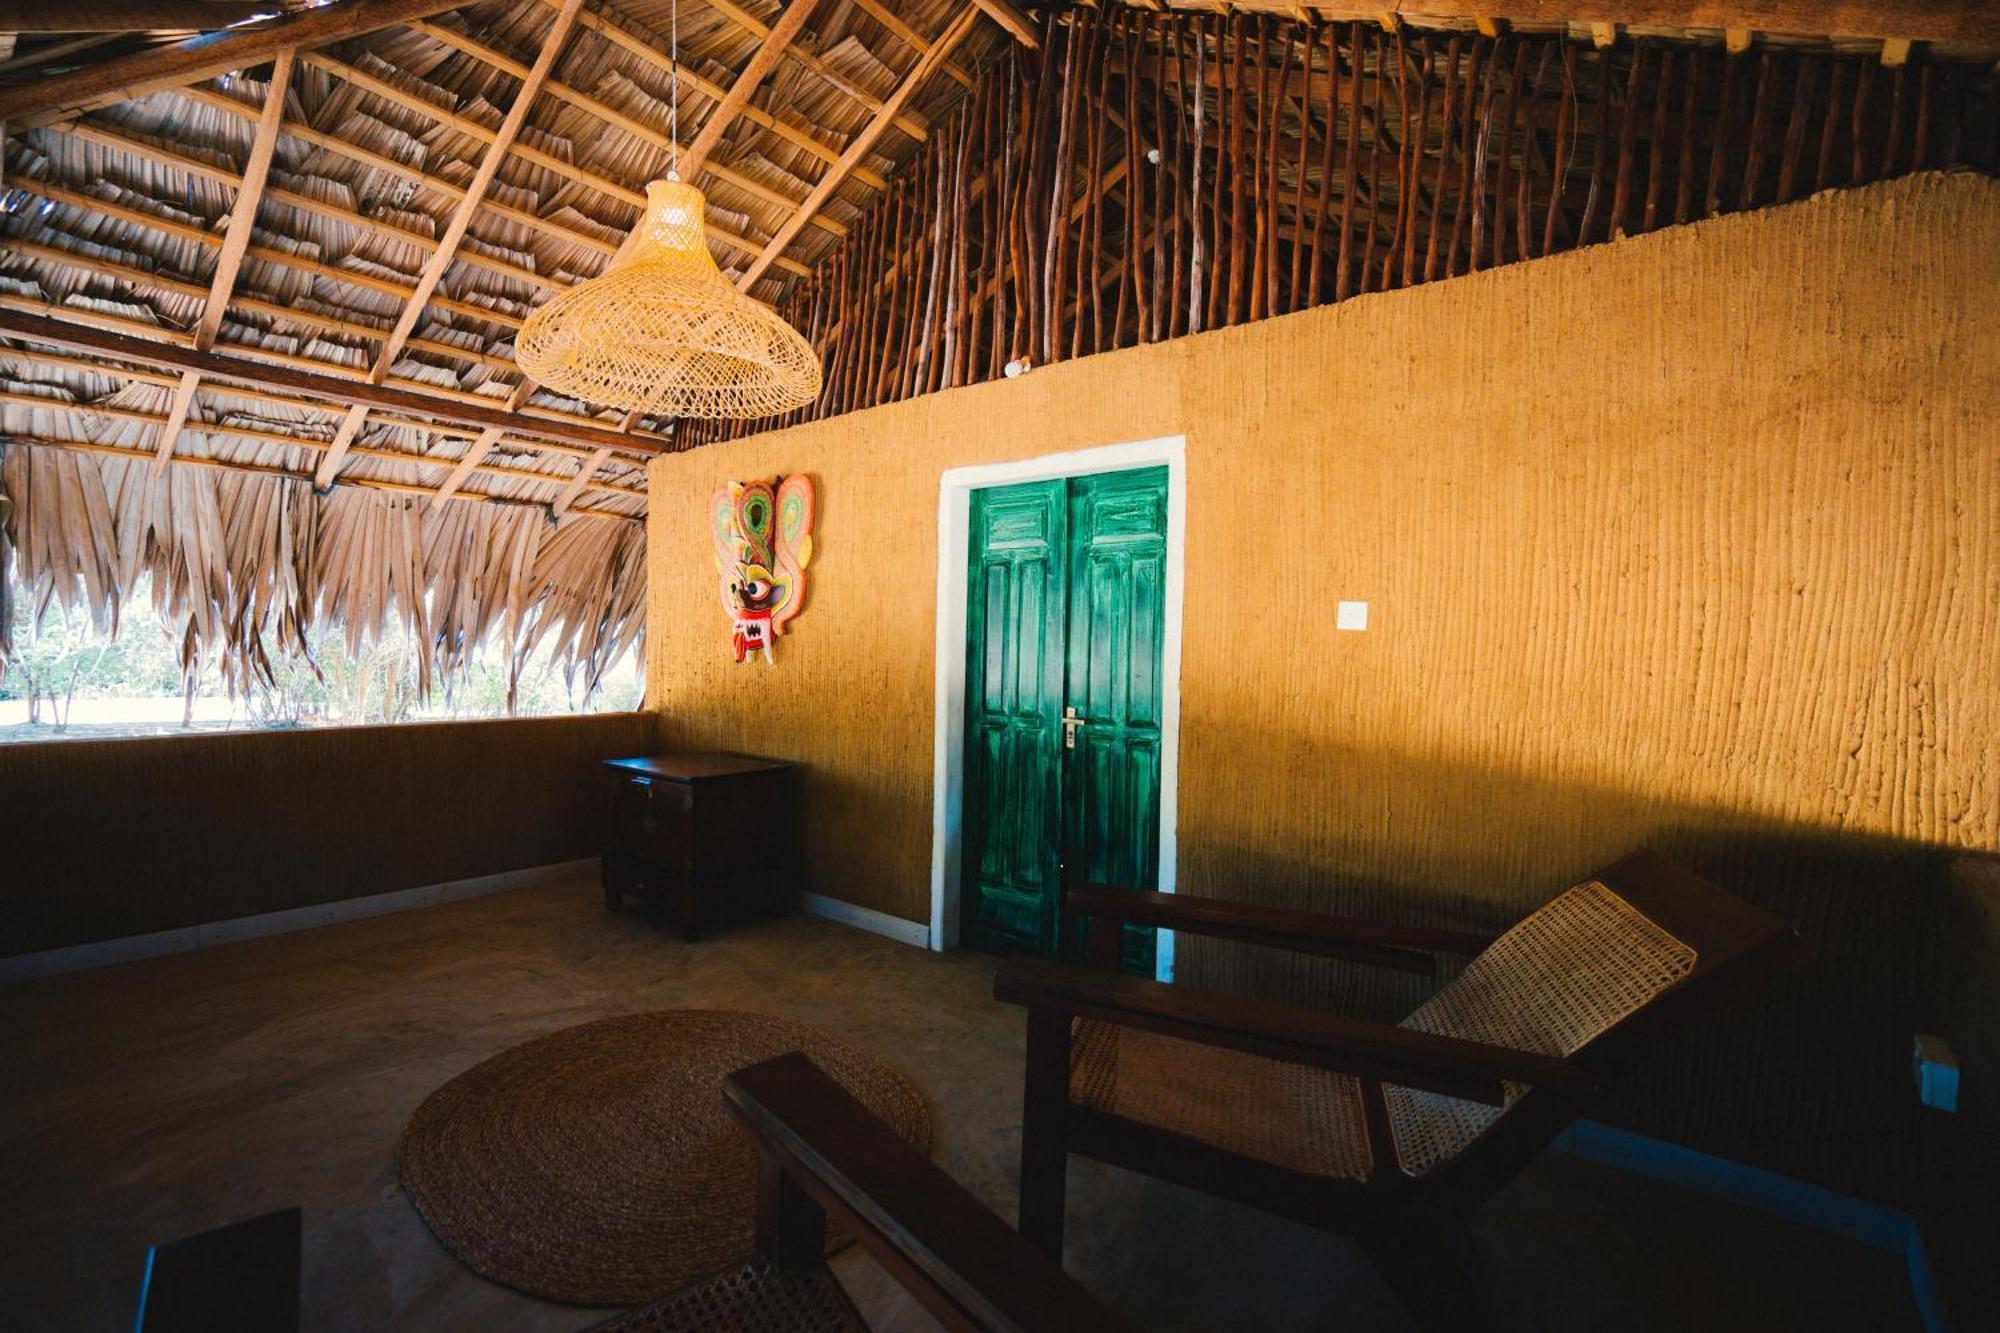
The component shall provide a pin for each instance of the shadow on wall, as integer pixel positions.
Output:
(1809, 1076)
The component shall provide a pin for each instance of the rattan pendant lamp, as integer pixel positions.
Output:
(661, 331)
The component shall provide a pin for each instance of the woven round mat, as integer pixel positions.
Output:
(599, 1166)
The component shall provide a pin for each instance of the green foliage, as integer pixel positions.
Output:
(63, 659)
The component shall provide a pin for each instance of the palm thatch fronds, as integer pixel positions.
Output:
(244, 565)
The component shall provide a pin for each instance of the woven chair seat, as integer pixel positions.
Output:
(1559, 978)
(752, 1299)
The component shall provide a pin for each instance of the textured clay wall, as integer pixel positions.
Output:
(121, 837)
(1690, 540)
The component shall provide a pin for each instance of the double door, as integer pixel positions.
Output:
(1065, 629)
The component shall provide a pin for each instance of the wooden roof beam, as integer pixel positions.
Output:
(954, 33)
(762, 62)
(610, 115)
(131, 15)
(649, 52)
(152, 70)
(177, 415)
(249, 195)
(553, 42)
(909, 123)
(909, 36)
(267, 470)
(15, 398)
(475, 454)
(82, 331)
(343, 440)
(1970, 22)
(584, 472)
(1004, 13)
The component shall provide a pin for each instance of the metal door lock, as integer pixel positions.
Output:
(1070, 722)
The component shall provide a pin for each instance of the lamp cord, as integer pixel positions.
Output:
(674, 86)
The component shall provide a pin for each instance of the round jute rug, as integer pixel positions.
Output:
(599, 1166)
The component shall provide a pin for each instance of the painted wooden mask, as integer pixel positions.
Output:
(762, 532)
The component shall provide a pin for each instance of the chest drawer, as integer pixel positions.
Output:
(653, 818)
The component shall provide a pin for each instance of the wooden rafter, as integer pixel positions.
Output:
(76, 332)
(953, 34)
(153, 70)
(343, 440)
(584, 472)
(1004, 13)
(129, 15)
(648, 51)
(267, 470)
(1973, 22)
(475, 454)
(610, 115)
(553, 42)
(908, 123)
(176, 418)
(903, 32)
(762, 62)
(249, 195)
(291, 402)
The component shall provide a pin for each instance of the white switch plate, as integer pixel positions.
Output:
(1351, 615)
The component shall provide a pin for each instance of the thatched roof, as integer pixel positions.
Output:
(258, 291)
(130, 218)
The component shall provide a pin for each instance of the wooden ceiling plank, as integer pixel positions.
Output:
(343, 440)
(475, 454)
(249, 195)
(82, 331)
(553, 43)
(953, 34)
(769, 51)
(123, 78)
(176, 418)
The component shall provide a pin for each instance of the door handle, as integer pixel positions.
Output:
(1070, 722)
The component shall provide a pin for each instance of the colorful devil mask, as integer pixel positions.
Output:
(763, 541)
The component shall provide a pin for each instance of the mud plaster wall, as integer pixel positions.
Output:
(1690, 540)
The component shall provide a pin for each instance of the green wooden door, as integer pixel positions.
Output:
(1013, 689)
(1065, 633)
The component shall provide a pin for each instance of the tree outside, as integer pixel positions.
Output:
(67, 678)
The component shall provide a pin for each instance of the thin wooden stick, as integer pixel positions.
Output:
(1343, 279)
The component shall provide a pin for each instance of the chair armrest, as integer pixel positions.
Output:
(1455, 1067)
(950, 1251)
(1406, 948)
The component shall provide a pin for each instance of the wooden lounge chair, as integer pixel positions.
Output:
(1392, 1133)
(821, 1154)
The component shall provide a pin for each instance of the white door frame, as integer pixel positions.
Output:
(955, 490)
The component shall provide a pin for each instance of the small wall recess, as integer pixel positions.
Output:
(1937, 1073)
(1351, 615)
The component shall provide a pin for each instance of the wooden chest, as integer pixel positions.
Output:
(702, 830)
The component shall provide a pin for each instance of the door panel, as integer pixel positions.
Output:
(1117, 559)
(1014, 660)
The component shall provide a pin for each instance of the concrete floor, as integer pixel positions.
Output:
(148, 1101)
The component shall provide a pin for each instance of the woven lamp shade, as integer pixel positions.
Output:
(661, 331)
